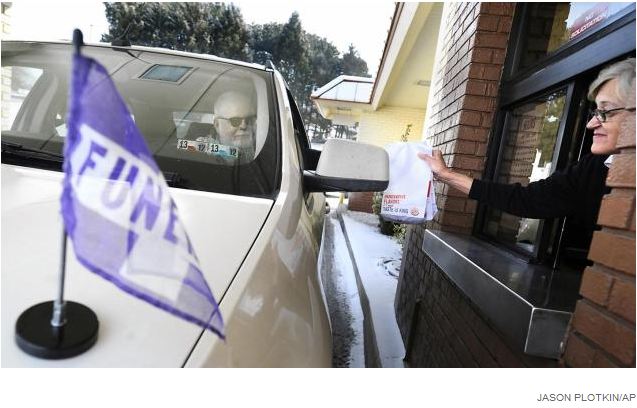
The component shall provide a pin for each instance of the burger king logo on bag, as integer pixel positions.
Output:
(414, 211)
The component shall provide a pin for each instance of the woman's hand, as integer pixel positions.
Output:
(436, 163)
(445, 174)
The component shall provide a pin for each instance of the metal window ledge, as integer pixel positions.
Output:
(530, 304)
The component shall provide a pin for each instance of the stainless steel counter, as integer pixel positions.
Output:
(530, 304)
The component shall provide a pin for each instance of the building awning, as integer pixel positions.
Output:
(344, 98)
(404, 75)
(347, 89)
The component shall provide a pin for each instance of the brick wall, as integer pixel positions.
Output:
(447, 330)
(602, 333)
(360, 202)
(464, 99)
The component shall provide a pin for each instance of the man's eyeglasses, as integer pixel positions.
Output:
(236, 121)
(602, 115)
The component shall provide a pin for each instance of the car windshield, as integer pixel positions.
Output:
(211, 125)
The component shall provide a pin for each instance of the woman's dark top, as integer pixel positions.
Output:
(575, 192)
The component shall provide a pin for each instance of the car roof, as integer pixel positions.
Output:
(158, 50)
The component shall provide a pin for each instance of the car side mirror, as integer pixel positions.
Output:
(348, 166)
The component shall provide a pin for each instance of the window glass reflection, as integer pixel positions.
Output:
(527, 155)
(551, 25)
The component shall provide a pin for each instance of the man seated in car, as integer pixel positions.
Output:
(234, 123)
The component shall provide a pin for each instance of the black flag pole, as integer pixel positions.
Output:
(58, 329)
(78, 40)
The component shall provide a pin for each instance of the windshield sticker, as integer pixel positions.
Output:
(208, 147)
(61, 130)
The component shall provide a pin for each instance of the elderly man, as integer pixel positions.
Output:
(234, 121)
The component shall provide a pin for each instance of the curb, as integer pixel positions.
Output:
(372, 355)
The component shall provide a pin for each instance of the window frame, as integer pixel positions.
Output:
(613, 41)
(572, 67)
(615, 22)
(495, 157)
(308, 157)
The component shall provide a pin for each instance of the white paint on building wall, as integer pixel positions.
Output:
(387, 125)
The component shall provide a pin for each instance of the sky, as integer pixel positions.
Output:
(364, 24)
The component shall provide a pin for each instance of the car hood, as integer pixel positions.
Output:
(132, 333)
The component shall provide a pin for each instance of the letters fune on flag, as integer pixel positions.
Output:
(117, 209)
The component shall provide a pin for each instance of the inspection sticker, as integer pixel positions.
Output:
(207, 147)
(222, 150)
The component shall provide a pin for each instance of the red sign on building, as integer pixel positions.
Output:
(588, 19)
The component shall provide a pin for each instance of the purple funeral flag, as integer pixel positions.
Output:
(117, 208)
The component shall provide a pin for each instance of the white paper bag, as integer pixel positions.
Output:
(409, 197)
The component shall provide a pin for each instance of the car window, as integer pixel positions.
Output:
(13, 94)
(210, 125)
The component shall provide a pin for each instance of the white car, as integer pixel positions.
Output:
(255, 224)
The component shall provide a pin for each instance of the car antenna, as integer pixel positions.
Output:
(78, 40)
(122, 40)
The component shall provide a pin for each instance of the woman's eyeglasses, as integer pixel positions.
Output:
(236, 121)
(603, 115)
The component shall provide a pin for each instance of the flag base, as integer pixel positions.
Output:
(35, 335)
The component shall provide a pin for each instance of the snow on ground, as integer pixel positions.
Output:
(378, 261)
(383, 249)
(349, 303)
(341, 292)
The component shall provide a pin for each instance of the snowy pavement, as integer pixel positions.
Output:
(342, 296)
(360, 272)
(377, 259)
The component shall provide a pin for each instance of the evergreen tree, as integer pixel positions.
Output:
(292, 58)
(353, 64)
(208, 28)
(261, 41)
(324, 59)
(324, 63)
